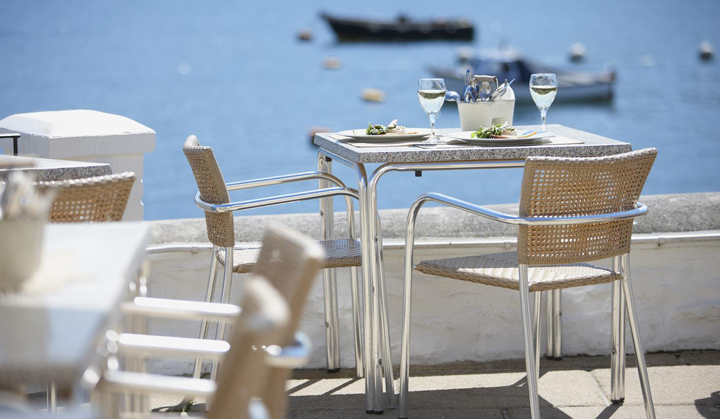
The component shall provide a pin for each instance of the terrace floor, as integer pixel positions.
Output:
(684, 385)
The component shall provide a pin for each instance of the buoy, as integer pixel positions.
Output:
(305, 35)
(706, 50)
(373, 95)
(577, 52)
(332, 63)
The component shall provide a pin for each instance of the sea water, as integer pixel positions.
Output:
(235, 75)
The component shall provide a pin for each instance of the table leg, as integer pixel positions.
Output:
(367, 250)
(381, 325)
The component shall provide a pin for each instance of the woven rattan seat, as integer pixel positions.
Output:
(501, 270)
(340, 253)
(94, 199)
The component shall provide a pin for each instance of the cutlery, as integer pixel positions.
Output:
(468, 96)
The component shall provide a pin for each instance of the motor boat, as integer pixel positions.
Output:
(401, 29)
(573, 86)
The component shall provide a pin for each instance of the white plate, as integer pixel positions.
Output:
(522, 138)
(412, 134)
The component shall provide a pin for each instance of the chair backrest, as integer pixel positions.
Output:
(211, 184)
(291, 262)
(94, 199)
(566, 187)
(263, 320)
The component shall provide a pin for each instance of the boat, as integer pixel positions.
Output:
(573, 86)
(402, 29)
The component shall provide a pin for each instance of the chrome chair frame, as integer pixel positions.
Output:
(620, 264)
(323, 193)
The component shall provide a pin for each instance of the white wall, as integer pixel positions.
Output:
(676, 287)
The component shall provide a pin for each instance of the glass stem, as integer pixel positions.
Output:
(543, 116)
(432, 124)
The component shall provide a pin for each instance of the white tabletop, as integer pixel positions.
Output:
(48, 330)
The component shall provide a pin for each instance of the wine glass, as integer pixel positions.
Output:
(543, 88)
(431, 93)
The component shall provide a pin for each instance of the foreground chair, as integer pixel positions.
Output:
(261, 323)
(572, 211)
(90, 200)
(288, 264)
(213, 197)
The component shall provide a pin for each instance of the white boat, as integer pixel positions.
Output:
(573, 86)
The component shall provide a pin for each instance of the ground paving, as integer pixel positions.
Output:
(684, 385)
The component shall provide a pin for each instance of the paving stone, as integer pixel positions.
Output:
(670, 385)
(392, 414)
(618, 412)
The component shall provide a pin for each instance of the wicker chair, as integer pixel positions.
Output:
(213, 197)
(90, 200)
(572, 211)
(287, 266)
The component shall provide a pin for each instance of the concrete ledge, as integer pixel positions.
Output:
(668, 213)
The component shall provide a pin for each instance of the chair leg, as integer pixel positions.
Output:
(357, 308)
(557, 323)
(639, 354)
(405, 345)
(209, 296)
(51, 398)
(549, 323)
(332, 334)
(536, 327)
(617, 356)
(225, 298)
(528, 337)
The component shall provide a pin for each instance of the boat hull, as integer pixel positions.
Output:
(360, 30)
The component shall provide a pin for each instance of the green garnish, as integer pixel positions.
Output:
(492, 131)
(375, 129)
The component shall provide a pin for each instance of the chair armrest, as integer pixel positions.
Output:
(274, 200)
(141, 383)
(181, 310)
(145, 346)
(294, 356)
(9, 135)
(277, 180)
(639, 210)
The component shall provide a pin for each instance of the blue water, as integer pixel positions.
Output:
(234, 74)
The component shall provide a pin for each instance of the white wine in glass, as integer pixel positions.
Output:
(431, 93)
(543, 88)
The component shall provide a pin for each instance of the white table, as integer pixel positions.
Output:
(49, 329)
(404, 158)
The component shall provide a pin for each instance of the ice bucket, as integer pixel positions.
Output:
(484, 114)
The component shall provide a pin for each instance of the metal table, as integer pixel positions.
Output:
(49, 329)
(404, 158)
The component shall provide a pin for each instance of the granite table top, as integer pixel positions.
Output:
(50, 169)
(592, 146)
